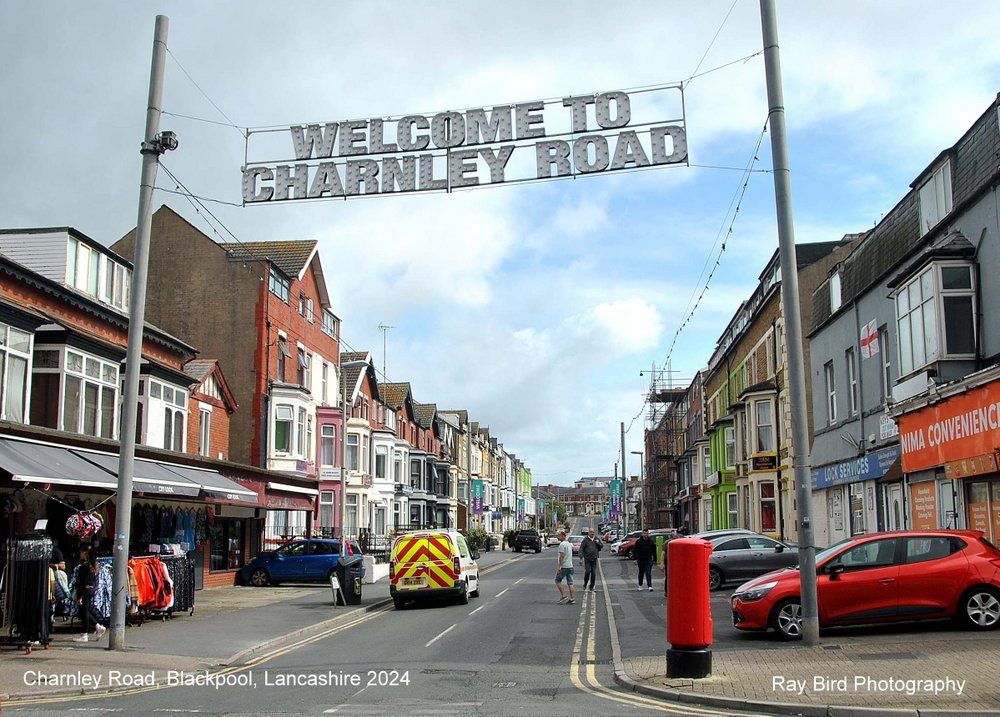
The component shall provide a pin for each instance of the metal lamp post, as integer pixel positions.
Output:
(642, 485)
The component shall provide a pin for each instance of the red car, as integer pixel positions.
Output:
(883, 577)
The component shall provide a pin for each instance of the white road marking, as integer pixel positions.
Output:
(518, 580)
(502, 592)
(442, 634)
(477, 609)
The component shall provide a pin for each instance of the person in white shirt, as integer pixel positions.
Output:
(565, 569)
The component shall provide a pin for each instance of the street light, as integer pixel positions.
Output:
(642, 486)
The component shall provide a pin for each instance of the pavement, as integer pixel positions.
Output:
(899, 674)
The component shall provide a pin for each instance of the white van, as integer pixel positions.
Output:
(432, 564)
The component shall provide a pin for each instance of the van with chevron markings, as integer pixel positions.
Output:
(426, 564)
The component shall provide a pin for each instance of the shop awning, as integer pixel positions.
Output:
(147, 476)
(213, 483)
(291, 488)
(33, 462)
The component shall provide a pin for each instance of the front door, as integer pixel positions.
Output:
(894, 506)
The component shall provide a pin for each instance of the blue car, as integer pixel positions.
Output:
(307, 560)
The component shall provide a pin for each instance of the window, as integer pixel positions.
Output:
(935, 198)
(835, 297)
(326, 509)
(857, 499)
(765, 426)
(300, 433)
(768, 512)
(941, 292)
(381, 462)
(831, 394)
(353, 453)
(886, 376)
(415, 475)
(328, 445)
(329, 325)
(852, 382)
(732, 504)
(352, 514)
(283, 353)
(324, 383)
(730, 441)
(15, 349)
(227, 544)
(90, 396)
(919, 550)
(706, 463)
(872, 554)
(278, 284)
(204, 432)
(173, 428)
(303, 372)
(283, 428)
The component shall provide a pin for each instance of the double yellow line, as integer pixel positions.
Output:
(586, 680)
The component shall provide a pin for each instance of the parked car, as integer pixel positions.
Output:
(883, 577)
(625, 547)
(306, 560)
(574, 541)
(552, 540)
(432, 564)
(739, 556)
(616, 547)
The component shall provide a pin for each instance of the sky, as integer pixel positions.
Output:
(541, 308)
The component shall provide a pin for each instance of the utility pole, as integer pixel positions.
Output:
(153, 145)
(793, 322)
(385, 332)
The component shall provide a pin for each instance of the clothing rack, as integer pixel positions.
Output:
(24, 592)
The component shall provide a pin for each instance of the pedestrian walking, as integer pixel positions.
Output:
(590, 550)
(564, 569)
(645, 553)
(86, 585)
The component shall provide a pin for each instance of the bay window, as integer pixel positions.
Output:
(935, 315)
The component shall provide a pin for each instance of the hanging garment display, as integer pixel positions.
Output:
(84, 526)
(25, 587)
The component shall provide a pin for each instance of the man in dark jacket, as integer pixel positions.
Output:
(590, 549)
(645, 553)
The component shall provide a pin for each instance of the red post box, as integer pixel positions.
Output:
(689, 612)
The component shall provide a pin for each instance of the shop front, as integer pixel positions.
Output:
(848, 490)
(950, 455)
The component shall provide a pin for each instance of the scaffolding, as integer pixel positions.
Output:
(663, 441)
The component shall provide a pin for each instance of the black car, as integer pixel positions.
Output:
(528, 539)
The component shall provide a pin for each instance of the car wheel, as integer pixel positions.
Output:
(475, 593)
(538, 550)
(787, 619)
(980, 608)
(630, 555)
(398, 602)
(714, 578)
(259, 578)
(463, 598)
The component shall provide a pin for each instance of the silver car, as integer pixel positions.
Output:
(737, 557)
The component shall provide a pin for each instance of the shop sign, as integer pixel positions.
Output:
(867, 467)
(923, 505)
(960, 427)
(767, 462)
(974, 466)
(887, 427)
(515, 142)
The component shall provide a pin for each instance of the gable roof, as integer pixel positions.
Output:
(200, 370)
(394, 395)
(424, 413)
(354, 366)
